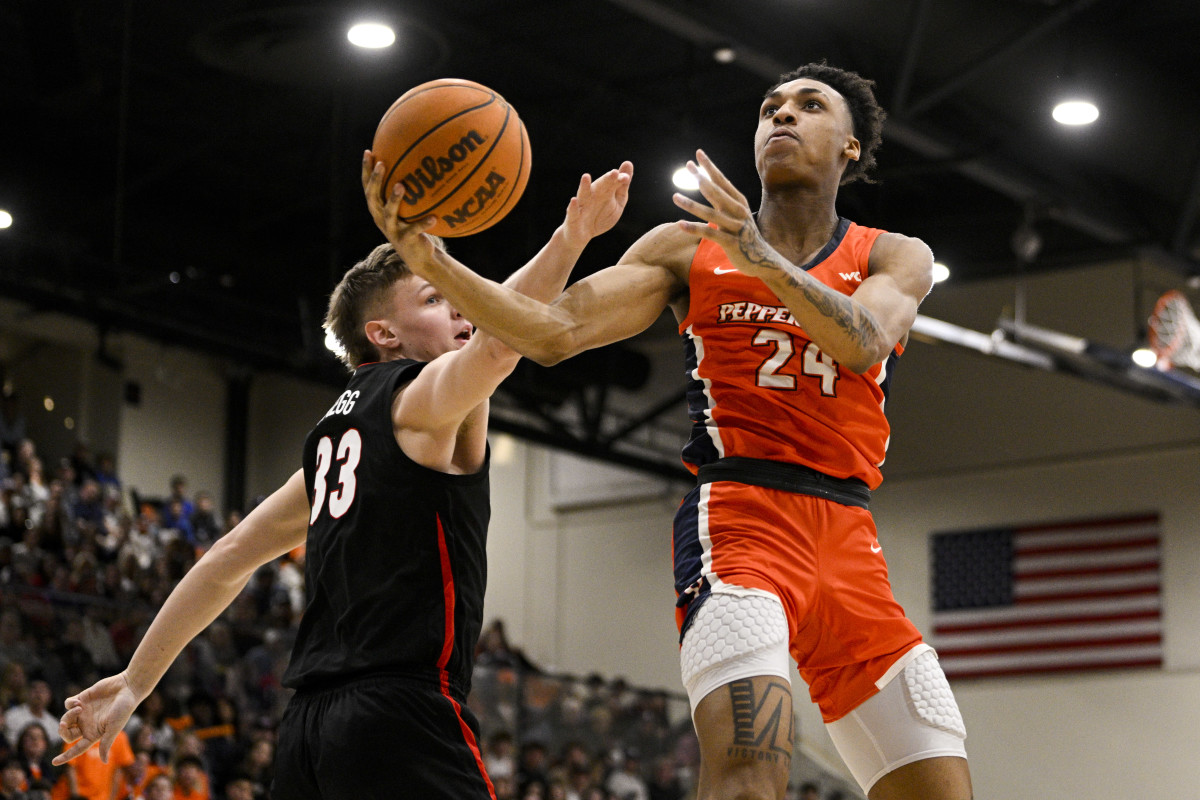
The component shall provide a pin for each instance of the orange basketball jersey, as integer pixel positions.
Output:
(759, 387)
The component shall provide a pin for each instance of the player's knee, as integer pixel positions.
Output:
(909, 734)
(930, 779)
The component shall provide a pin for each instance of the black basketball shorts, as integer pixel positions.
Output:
(379, 738)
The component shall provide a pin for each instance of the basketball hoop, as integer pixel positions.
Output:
(1175, 332)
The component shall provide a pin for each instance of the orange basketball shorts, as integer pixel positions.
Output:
(820, 558)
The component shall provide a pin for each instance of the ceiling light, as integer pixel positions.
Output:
(371, 35)
(724, 55)
(940, 272)
(685, 180)
(1076, 112)
(6, 219)
(1144, 357)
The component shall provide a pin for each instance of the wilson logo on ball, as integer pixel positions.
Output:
(434, 170)
(458, 151)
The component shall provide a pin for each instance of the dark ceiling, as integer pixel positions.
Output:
(190, 170)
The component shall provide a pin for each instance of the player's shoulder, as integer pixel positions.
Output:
(897, 250)
(899, 242)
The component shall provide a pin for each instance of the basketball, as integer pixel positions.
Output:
(459, 152)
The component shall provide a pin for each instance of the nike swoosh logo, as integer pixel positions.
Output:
(719, 271)
(876, 548)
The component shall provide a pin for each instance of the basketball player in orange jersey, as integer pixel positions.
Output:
(791, 320)
(392, 504)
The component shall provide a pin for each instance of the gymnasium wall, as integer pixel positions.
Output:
(177, 424)
(1102, 735)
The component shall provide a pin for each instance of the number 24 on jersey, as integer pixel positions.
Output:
(813, 363)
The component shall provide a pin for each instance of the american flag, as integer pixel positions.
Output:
(1048, 598)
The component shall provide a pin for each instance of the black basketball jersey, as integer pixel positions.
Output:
(395, 562)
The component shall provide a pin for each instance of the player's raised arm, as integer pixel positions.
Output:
(277, 525)
(451, 387)
(611, 305)
(858, 331)
(595, 208)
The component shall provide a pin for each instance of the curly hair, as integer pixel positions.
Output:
(865, 113)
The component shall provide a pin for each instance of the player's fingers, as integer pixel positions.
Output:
(77, 748)
(391, 207)
(705, 230)
(693, 207)
(718, 177)
(106, 743)
(69, 719)
(612, 175)
(714, 187)
(372, 179)
(708, 188)
(712, 191)
(708, 214)
(372, 176)
(366, 167)
(624, 179)
(399, 228)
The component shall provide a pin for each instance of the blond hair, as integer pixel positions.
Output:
(355, 299)
(359, 297)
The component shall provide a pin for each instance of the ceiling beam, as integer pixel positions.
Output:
(998, 54)
(915, 40)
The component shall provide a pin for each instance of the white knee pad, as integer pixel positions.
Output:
(913, 717)
(733, 636)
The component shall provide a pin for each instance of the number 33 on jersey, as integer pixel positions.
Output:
(347, 454)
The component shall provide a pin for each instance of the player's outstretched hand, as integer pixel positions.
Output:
(597, 204)
(406, 237)
(728, 221)
(96, 714)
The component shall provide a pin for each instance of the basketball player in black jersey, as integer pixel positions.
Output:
(393, 504)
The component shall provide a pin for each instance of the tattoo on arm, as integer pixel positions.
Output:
(858, 324)
(754, 248)
(762, 721)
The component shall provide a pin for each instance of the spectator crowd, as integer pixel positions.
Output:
(84, 565)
